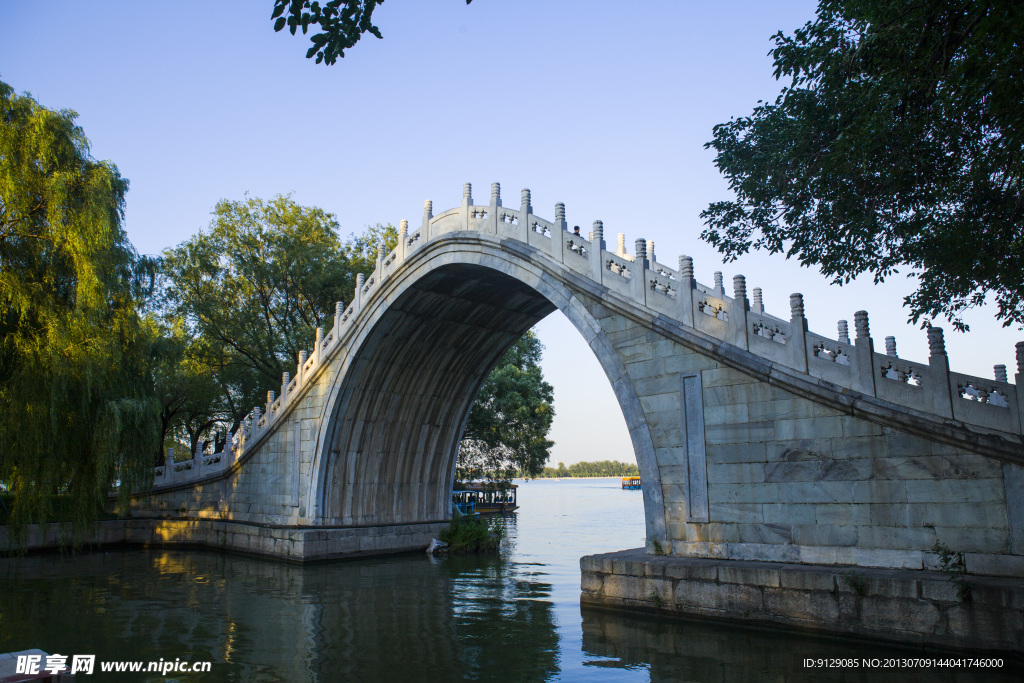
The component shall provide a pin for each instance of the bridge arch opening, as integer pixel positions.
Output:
(393, 425)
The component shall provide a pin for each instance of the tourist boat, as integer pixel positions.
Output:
(631, 482)
(480, 498)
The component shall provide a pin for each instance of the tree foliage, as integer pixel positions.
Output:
(250, 292)
(77, 411)
(899, 142)
(342, 23)
(507, 429)
(192, 397)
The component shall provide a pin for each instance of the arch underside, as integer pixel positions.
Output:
(407, 394)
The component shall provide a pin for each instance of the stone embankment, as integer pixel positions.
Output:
(925, 607)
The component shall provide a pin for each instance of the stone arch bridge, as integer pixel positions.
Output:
(757, 439)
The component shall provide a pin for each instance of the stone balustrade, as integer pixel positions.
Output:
(666, 291)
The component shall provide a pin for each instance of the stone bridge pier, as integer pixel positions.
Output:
(788, 476)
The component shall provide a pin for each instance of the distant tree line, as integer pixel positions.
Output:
(602, 468)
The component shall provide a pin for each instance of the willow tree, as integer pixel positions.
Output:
(76, 406)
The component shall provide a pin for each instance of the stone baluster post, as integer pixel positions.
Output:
(757, 305)
(197, 460)
(168, 465)
(862, 365)
(686, 286)
(638, 272)
(403, 236)
(492, 213)
(797, 340)
(938, 365)
(719, 285)
(738, 329)
(285, 381)
(357, 300)
(1000, 373)
(558, 236)
(650, 254)
(525, 216)
(620, 245)
(299, 371)
(339, 312)
(428, 213)
(270, 403)
(844, 332)
(597, 252)
(228, 456)
(318, 345)
(890, 347)
(1019, 380)
(467, 201)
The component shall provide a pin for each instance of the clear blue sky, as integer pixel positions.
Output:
(602, 105)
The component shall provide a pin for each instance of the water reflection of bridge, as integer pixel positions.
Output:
(259, 619)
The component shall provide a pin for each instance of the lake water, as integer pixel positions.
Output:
(513, 618)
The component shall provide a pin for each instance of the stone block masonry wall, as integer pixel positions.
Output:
(895, 605)
(287, 543)
(272, 485)
(786, 479)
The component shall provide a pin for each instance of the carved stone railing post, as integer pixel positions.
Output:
(797, 340)
(1000, 373)
(686, 286)
(299, 370)
(168, 465)
(862, 366)
(938, 365)
(844, 332)
(558, 235)
(285, 380)
(492, 214)
(428, 213)
(620, 245)
(197, 461)
(738, 313)
(596, 257)
(650, 253)
(318, 345)
(719, 285)
(270, 403)
(339, 310)
(467, 201)
(757, 305)
(357, 300)
(525, 216)
(228, 454)
(638, 272)
(403, 235)
(890, 347)
(1019, 380)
